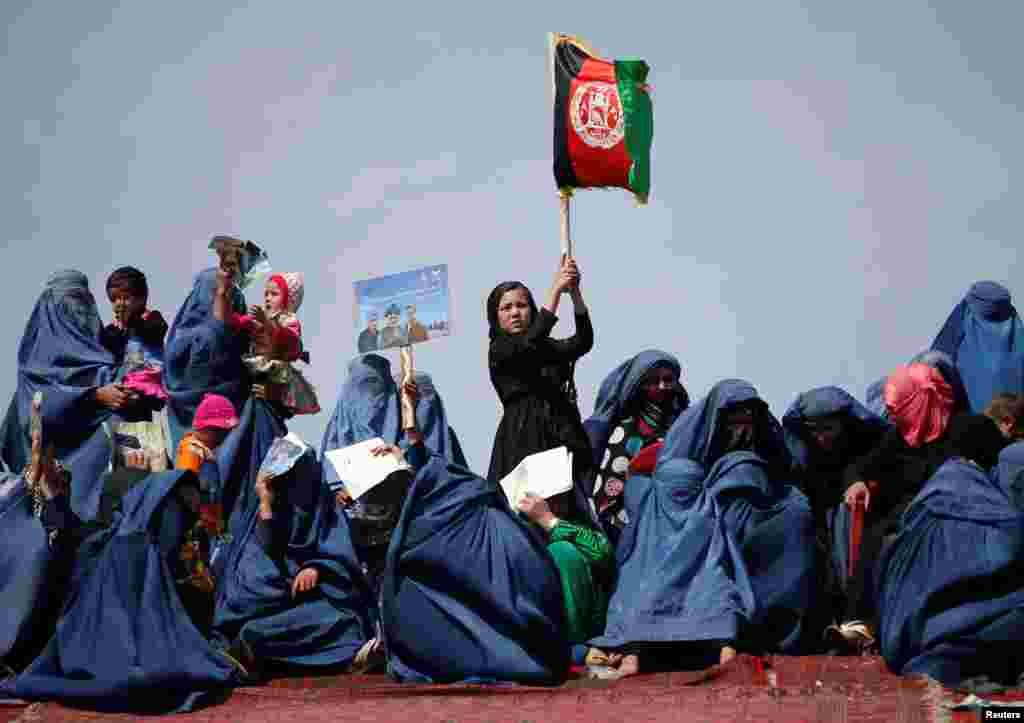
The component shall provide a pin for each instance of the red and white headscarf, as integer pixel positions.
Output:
(920, 403)
(292, 286)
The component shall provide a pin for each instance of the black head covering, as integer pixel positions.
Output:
(975, 437)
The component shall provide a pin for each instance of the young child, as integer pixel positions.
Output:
(586, 565)
(215, 418)
(270, 362)
(136, 336)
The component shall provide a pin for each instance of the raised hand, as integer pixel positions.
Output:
(265, 492)
(566, 275)
(43, 471)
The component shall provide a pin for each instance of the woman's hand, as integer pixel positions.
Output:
(858, 493)
(412, 391)
(386, 449)
(265, 492)
(536, 508)
(342, 498)
(43, 471)
(136, 459)
(115, 396)
(305, 581)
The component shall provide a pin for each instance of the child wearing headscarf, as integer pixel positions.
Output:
(272, 362)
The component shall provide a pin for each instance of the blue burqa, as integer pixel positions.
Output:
(984, 337)
(827, 402)
(617, 391)
(25, 558)
(863, 429)
(239, 456)
(718, 547)
(369, 406)
(951, 583)
(61, 356)
(325, 626)
(125, 641)
(470, 593)
(202, 355)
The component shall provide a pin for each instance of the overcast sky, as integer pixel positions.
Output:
(826, 182)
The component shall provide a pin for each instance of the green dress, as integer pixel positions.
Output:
(586, 565)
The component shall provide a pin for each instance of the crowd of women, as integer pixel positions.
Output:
(157, 575)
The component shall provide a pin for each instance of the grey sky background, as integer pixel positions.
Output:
(827, 181)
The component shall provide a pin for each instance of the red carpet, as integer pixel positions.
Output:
(788, 689)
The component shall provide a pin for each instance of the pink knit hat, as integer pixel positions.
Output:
(215, 412)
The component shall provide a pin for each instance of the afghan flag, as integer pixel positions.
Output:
(603, 120)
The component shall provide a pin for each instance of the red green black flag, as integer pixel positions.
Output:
(603, 120)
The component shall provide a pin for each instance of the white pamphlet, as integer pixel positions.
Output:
(545, 474)
(358, 471)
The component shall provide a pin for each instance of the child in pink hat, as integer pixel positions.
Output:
(215, 418)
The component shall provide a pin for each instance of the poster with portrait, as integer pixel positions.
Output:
(400, 309)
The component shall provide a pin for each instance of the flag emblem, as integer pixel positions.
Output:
(596, 114)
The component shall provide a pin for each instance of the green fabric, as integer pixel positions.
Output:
(586, 562)
(638, 114)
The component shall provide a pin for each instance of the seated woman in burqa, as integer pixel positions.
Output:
(826, 430)
(125, 641)
(37, 552)
(291, 593)
(369, 407)
(636, 405)
(984, 336)
(202, 355)
(718, 555)
(920, 404)
(61, 356)
(469, 592)
(950, 585)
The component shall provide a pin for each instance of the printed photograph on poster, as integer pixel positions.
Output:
(400, 309)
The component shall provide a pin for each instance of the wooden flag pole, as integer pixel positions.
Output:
(565, 200)
(407, 375)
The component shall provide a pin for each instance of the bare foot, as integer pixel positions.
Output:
(727, 654)
(629, 665)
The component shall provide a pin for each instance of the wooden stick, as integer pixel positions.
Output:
(407, 375)
(565, 201)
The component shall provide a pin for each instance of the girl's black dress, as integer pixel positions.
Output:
(531, 373)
